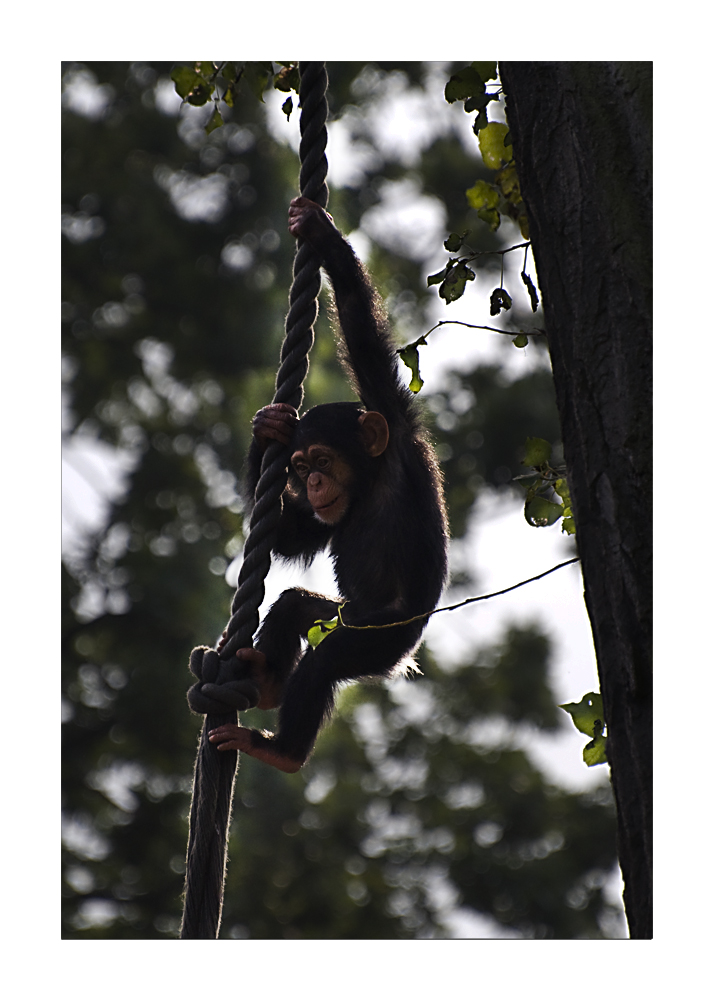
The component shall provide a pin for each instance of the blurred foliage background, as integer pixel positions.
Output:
(418, 815)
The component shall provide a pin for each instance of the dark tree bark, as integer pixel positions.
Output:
(582, 140)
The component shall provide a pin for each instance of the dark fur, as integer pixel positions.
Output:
(389, 551)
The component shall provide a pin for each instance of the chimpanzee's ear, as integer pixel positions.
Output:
(375, 432)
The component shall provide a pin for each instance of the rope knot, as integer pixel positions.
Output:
(218, 690)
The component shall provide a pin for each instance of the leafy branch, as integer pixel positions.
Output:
(588, 717)
(452, 280)
(542, 482)
(200, 82)
(490, 201)
(469, 85)
(504, 195)
(410, 354)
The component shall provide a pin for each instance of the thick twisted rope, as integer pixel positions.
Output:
(217, 692)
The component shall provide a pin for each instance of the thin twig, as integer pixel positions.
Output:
(453, 607)
(485, 597)
(474, 326)
(482, 253)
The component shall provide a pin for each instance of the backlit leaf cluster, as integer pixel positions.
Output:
(452, 279)
(469, 86)
(589, 718)
(410, 357)
(200, 82)
(504, 194)
(542, 484)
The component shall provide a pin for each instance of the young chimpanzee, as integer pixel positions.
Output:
(365, 481)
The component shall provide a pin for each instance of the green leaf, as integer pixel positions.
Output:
(486, 70)
(589, 718)
(492, 218)
(257, 75)
(485, 198)
(563, 491)
(507, 180)
(214, 122)
(479, 102)
(483, 195)
(201, 93)
(521, 340)
(537, 452)
(410, 357)
(320, 630)
(595, 752)
(436, 279)
(464, 84)
(587, 714)
(541, 513)
(206, 69)
(185, 78)
(531, 290)
(454, 283)
(500, 299)
(481, 121)
(453, 244)
(490, 140)
(288, 79)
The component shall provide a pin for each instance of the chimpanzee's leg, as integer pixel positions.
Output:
(286, 624)
(308, 695)
(278, 645)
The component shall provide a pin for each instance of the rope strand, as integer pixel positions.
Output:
(217, 693)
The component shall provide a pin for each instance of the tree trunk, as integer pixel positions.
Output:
(582, 140)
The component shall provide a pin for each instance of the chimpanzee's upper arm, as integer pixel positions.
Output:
(371, 358)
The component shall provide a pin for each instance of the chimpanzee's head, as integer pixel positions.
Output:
(333, 449)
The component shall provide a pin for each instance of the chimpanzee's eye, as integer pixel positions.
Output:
(323, 463)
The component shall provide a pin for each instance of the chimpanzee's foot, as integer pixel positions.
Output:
(256, 745)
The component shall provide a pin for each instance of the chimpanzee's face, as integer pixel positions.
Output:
(328, 479)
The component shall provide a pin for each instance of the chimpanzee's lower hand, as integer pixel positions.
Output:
(255, 744)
